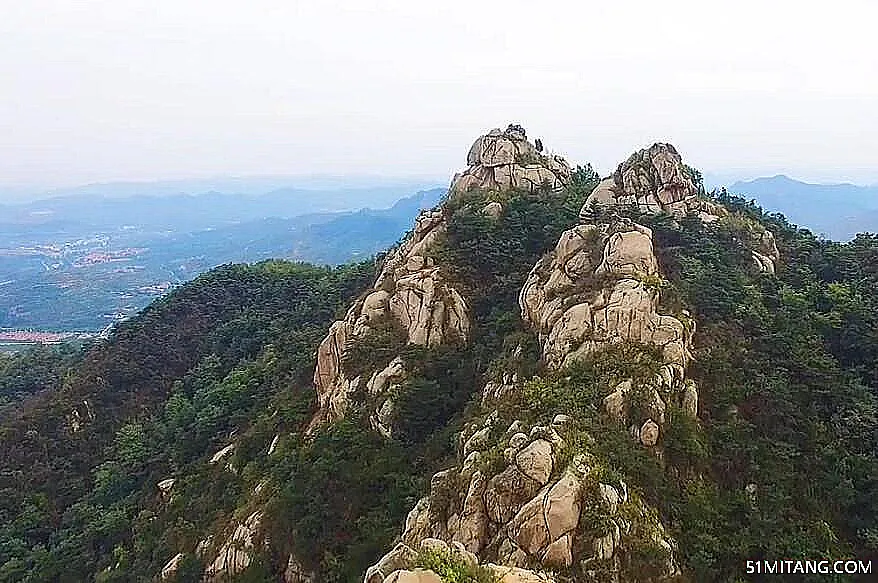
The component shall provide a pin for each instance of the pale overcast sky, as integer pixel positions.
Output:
(101, 90)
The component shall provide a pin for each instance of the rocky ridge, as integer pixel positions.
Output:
(411, 294)
(524, 501)
(599, 286)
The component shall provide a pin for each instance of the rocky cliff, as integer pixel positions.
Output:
(599, 286)
(412, 296)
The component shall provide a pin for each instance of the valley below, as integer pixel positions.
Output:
(84, 275)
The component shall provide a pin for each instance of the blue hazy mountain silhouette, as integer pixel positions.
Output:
(836, 211)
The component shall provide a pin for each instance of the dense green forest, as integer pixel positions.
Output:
(787, 366)
(36, 369)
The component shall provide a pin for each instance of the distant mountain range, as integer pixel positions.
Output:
(324, 238)
(75, 263)
(237, 185)
(835, 211)
(187, 212)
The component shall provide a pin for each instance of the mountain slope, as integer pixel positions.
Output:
(553, 377)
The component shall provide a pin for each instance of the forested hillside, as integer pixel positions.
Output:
(81, 459)
(677, 381)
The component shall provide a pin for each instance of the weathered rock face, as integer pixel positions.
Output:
(763, 247)
(410, 294)
(529, 511)
(504, 160)
(415, 576)
(382, 384)
(79, 417)
(236, 553)
(599, 287)
(655, 180)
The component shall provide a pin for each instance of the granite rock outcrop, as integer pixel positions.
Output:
(533, 509)
(655, 180)
(411, 295)
(600, 286)
(237, 552)
(504, 160)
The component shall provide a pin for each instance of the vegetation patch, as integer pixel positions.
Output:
(454, 568)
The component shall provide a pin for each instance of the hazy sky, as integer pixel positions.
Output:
(123, 89)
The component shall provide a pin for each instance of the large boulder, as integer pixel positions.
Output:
(504, 159)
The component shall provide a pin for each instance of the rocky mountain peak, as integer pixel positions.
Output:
(506, 159)
(657, 169)
(411, 295)
(655, 180)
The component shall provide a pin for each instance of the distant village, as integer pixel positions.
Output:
(34, 337)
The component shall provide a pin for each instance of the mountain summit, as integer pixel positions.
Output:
(554, 377)
(597, 289)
